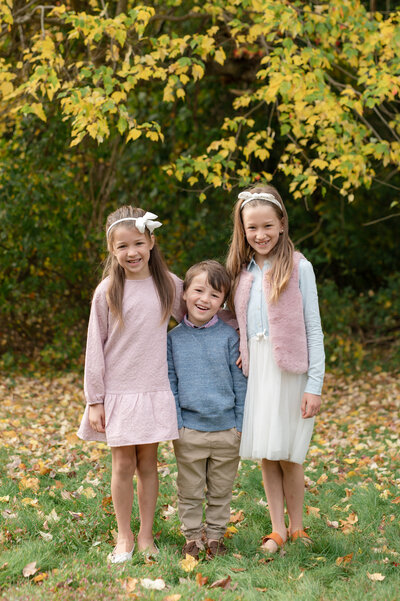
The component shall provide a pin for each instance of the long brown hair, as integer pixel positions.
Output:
(240, 251)
(157, 266)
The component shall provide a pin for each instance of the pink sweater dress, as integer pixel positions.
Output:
(126, 368)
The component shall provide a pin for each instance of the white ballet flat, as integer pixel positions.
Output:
(120, 557)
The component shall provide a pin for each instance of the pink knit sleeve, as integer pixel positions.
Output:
(96, 338)
(179, 306)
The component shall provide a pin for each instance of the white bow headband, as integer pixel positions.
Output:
(141, 223)
(249, 196)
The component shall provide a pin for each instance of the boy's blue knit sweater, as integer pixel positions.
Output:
(208, 386)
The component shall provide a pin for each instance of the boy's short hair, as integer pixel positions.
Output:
(217, 276)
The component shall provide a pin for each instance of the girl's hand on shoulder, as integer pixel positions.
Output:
(97, 418)
(310, 405)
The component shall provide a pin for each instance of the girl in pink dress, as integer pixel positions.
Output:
(129, 401)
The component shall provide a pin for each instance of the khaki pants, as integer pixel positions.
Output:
(206, 460)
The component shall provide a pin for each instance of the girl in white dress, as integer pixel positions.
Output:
(281, 344)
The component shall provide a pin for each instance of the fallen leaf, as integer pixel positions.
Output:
(46, 536)
(344, 560)
(30, 569)
(5, 499)
(201, 580)
(323, 478)
(129, 584)
(53, 517)
(89, 493)
(222, 583)
(29, 501)
(157, 585)
(32, 483)
(168, 511)
(298, 577)
(313, 511)
(376, 577)
(40, 577)
(237, 517)
(189, 563)
(333, 524)
(175, 597)
(230, 531)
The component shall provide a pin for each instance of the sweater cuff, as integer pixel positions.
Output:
(99, 398)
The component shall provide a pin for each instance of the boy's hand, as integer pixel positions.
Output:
(310, 405)
(97, 418)
(239, 362)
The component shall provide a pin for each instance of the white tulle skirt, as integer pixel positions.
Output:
(273, 427)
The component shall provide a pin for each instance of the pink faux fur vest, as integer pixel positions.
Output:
(287, 329)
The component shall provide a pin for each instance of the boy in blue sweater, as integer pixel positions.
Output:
(209, 391)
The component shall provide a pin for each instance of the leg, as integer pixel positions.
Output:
(191, 452)
(273, 485)
(221, 471)
(293, 486)
(147, 491)
(123, 469)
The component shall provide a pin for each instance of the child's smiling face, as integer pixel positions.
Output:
(132, 251)
(202, 300)
(262, 228)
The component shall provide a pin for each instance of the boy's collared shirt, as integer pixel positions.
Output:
(210, 323)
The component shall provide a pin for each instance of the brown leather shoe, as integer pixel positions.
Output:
(191, 548)
(216, 547)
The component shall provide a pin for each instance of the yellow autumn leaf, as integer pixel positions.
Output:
(32, 483)
(37, 109)
(133, 134)
(197, 72)
(168, 95)
(188, 564)
(29, 501)
(6, 87)
(220, 56)
(40, 577)
(89, 493)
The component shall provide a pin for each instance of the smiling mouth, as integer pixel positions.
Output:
(201, 308)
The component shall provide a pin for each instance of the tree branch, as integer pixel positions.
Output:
(382, 219)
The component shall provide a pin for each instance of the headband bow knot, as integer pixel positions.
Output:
(147, 221)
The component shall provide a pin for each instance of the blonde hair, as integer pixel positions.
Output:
(157, 266)
(240, 251)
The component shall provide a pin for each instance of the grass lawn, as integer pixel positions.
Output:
(57, 520)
